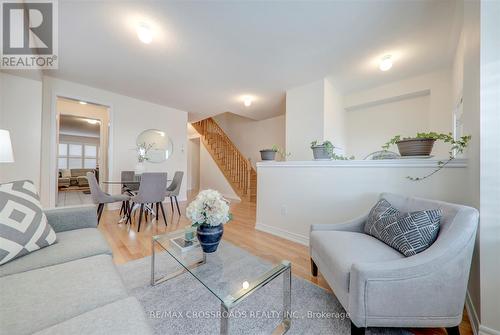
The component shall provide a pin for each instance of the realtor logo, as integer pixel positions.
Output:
(29, 34)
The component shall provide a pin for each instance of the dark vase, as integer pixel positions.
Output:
(209, 237)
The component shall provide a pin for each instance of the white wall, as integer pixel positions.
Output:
(20, 113)
(211, 177)
(337, 191)
(466, 74)
(418, 104)
(490, 167)
(334, 116)
(251, 136)
(193, 175)
(369, 128)
(129, 117)
(304, 118)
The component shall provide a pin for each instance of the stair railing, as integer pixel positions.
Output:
(239, 168)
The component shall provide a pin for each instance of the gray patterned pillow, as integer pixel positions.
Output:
(409, 233)
(23, 224)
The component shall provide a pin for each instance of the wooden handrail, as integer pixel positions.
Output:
(235, 166)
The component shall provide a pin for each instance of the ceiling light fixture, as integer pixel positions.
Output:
(144, 33)
(247, 101)
(385, 63)
(82, 102)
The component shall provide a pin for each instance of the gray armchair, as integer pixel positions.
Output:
(173, 190)
(380, 287)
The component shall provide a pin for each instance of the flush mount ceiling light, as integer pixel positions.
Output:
(247, 101)
(385, 63)
(82, 102)
(144, 33)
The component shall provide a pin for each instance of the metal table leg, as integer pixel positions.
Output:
(286, 320)
(155, 281)
(224, 320)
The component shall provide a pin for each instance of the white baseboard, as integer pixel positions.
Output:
(483, 330)
(283, 233)
(471, 311)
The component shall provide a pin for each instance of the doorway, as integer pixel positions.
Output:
(82, 146)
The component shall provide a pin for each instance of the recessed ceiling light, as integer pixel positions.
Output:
(144, 33)
(385, 63)
(247, 101)
(82, 102)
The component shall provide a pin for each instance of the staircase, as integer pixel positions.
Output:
(236, 168)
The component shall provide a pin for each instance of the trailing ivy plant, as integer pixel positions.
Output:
(456, 147)
(280, 151)
(329, 149)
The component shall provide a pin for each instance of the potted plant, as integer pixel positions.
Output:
(421, 145)
(208, 213)
(142, 156)
(270, 154)
(323, 150)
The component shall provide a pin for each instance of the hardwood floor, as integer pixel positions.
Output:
(128, 245)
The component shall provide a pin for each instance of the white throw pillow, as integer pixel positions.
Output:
(23, 224)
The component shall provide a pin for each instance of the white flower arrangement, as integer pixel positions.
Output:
(209, 208)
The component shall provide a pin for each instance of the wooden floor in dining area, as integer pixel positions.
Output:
(128, 244)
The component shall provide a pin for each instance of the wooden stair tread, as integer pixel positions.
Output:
(234, 166)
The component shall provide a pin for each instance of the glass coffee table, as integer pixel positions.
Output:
(230, 274)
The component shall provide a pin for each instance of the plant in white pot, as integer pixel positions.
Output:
(142, 156)
(208, 212)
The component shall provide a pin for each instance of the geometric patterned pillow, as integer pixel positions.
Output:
(23, 224)
(409, 233)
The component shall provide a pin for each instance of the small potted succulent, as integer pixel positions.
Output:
(270, 154)
(323, 150)
(208, 214)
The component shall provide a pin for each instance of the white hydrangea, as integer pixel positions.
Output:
(209, 208)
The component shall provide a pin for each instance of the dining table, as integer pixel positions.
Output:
(136, 182)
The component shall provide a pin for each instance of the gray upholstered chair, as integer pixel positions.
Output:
(174, 189)
(380, 287)
(127, 189)
(100, 198)
(151, 191)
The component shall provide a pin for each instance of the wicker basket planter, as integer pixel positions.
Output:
(415, 146)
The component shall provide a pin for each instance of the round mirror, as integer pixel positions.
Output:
(155, 145)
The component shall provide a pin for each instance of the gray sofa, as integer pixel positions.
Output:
(380, 287)
(71, 287)
(78, 178)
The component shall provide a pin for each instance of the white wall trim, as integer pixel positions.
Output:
(483, 330)
(471, 311)
(283, 234)
(373, 103)
(404, 163)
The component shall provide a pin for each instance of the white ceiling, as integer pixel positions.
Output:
(78, 126)
(205, 55)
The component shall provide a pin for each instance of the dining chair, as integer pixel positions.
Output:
(151, 191)
(127, 189)
(174, 189)
(100, 198)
